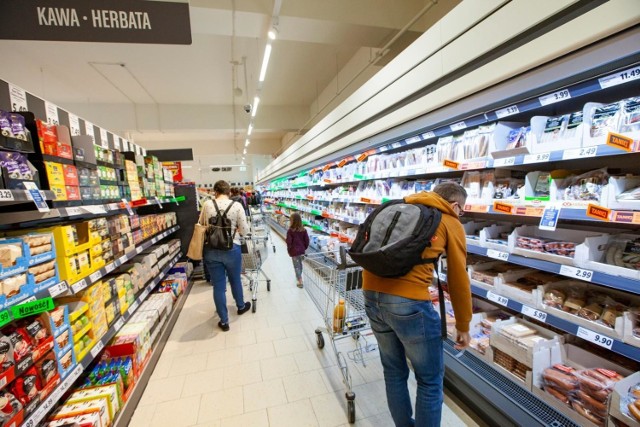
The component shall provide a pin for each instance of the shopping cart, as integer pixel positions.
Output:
(254, 254)
(328, 279)
(259, 227)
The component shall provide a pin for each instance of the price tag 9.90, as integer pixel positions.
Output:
(594, 337)
(533, 313)
(576, 273)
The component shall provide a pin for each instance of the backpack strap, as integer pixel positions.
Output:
(443, 319)
(225, 215)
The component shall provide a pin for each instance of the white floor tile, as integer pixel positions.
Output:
(267, 370)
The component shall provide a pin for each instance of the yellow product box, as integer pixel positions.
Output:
(85, 420)
(55, 173)
(110, 311)
(99, 405)
(70, 269)
(108, 392)
(60, 191)
(71, 238)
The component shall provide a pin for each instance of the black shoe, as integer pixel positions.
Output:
(223, 326)
(243, 310)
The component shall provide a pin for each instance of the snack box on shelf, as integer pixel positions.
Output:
(621, 398)
(13, 411)
(631, 328)
(14, 257)
(565, 246)
(601, 119)
(92, 419)
(71, 239)
(522, 285)
(75, 267)
(66, 363)
(607, 317)
(83, 150)
(549, 133)
(579, 359)
(521, 339)
(99, 406)
(493, 237)
(47, 369)
(63, 342)
(58, 319)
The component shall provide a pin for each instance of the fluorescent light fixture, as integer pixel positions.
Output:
(245, 151)
(254, 110)
(247, 142)
(272, 34)
(265, 62)
(250, 129)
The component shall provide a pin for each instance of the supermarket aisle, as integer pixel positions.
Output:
(266, 371)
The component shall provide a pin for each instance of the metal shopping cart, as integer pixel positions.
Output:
(259, 227)
(254, 254)
(329, 280)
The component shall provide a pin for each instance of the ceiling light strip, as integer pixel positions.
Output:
(265, 62)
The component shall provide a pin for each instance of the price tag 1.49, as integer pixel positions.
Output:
(533, 313)
(502, 256)
(499, 299)
(505, 161)
(594, 337)
(576, 273)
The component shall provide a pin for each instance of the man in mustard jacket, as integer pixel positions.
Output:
(405, 322)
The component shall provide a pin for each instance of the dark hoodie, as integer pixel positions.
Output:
(449, 238)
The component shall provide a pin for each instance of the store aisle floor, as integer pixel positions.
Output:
(266, 371)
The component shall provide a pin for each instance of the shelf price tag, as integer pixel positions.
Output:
(620, 77)
(78, 286)
(139, 249)
(536, 158)
(498, 299)
(119, 324)
(6, 196)
(578, 153)
(110, 267)
(596, 338)
(508, 111)
(554, 97)
(362, 157)
(158, 202)
(505, 161)
(127, 206)
(144, 294)
(74, 125)
(428, 135)
(576, 273)
(133, 307)
(36, 196)
(502, 256)
(97, 349)
(549, 218)
(533, 313)
(123, 259)
(95, 276)
(58, 289)
(620, 141)
(458, 126)
(18, 98)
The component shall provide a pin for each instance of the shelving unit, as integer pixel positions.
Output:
(311, 190)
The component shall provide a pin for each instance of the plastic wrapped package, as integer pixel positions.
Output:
(587, 186)
(605, 119)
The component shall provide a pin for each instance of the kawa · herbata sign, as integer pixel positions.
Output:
(115, 21)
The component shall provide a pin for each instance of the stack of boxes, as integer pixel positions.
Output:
(62, 339)
(73, 249)
(133, 180)
(107, 173)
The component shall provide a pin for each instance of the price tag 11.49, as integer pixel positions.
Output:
(576, 273)
(533, 313)
(499, 299)
(594, 337)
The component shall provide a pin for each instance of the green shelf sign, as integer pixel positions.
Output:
(5, 317)
(358, 176)
(315, 212)
(384, 200)
(33, 307)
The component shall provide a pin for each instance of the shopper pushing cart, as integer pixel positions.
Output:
(335, 287)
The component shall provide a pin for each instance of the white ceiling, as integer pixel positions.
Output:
(321, 45)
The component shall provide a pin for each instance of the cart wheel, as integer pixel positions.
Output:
(319, 340)
(268, 285)
(351, 411)
(274, 249)
(253, 306)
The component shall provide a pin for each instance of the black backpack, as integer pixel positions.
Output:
(390, 242)
(219, 233)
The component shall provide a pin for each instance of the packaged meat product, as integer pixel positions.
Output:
(605, 119)
(612, 310)
(597, 383)
(579, 407)
(561, 377)
(591, 312)
(630, 121)
(516, 331)
(587, 186)
(575, 300)
(554, 298)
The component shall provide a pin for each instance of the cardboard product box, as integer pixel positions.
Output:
(523, 285)
(66, 363)
(60, 191)
(92, 419)
(109, 393)
(55, 173)
(63, 342)
(521, 339)
(47, 368)
(621, 398)
(99, 406)
(70, 173)
(58, 319)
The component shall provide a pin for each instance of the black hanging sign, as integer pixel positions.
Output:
(111, 21)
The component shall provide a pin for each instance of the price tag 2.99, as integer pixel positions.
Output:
(533, 313)
(594, 337)
(499, 299)
(576, 273)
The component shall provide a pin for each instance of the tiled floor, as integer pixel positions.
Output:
(266, 371)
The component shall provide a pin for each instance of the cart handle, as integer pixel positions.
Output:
(343, 264)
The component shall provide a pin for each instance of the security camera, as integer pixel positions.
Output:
(247, 108)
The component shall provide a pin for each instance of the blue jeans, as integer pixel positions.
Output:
(221, 264)
(297, 266)
(409, 329)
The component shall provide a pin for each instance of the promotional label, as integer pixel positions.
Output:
(36, 196)
(342, 163)
(451, 164)
(620, 141)
(31, 308)
(362, 157)
(598, 212)
(503, 207)
(326, 168)
(5, 317)
(549, 218)
(110, 21)
(52, 113)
